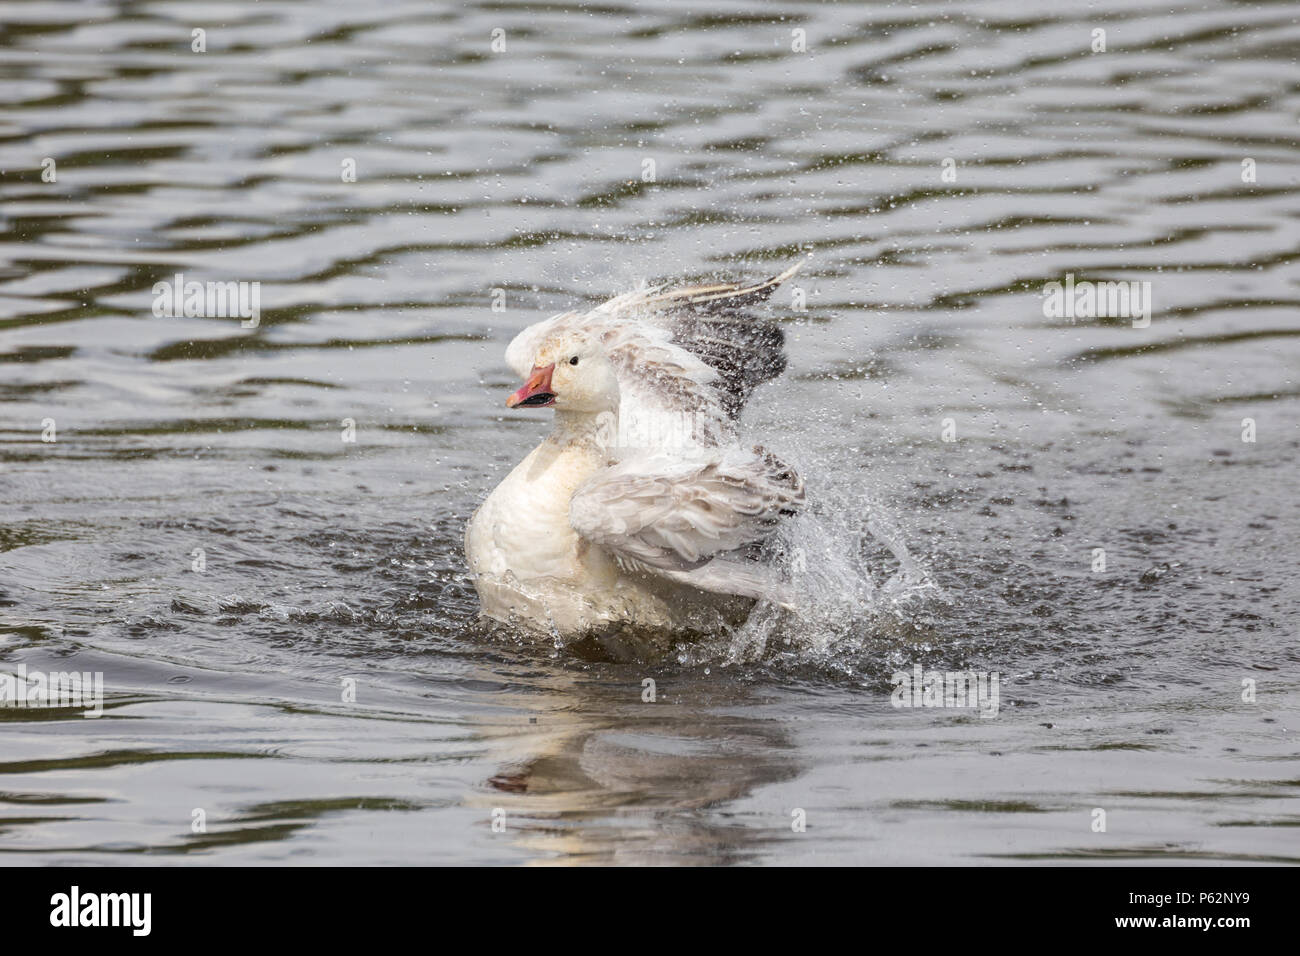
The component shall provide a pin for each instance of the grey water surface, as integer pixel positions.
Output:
(200, 533)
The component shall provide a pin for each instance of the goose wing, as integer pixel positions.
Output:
(691, 518)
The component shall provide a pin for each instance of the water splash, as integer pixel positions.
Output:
(857, 586)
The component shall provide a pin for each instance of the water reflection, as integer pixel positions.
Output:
(598, 752)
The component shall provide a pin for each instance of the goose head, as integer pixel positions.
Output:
(570, 373)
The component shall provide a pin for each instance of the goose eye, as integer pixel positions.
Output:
(574, 360)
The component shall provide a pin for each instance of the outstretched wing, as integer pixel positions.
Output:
(708, 321)
(683, 351)
(691, 518)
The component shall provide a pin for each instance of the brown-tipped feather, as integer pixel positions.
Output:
(724, 295)
(745, 351)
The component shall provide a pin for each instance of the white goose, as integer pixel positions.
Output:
(640, 508)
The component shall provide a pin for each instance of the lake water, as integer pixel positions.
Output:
(200, 532)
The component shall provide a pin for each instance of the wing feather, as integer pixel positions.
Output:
(690, 519)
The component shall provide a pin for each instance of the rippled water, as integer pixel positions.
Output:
(522, 170)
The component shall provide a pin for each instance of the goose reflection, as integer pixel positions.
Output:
(592, 769)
